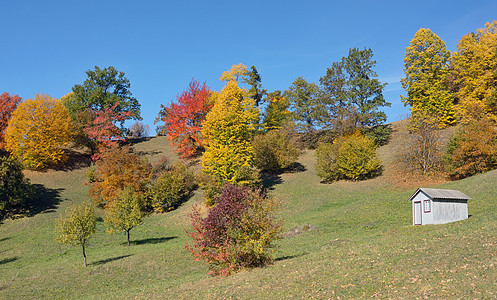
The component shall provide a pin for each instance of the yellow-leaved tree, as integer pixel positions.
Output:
(228, 131)
(426, 65)
(474, 72)
(37, 132)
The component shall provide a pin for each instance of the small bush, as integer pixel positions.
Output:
(326, 161)
(352, 157)
(274, 151)
(171, 188)
(237, 233)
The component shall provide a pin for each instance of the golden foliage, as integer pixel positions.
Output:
(228, 131)
(118, 168)
(38, 131)
(474, 71)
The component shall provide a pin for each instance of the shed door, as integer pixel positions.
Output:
(418, 213)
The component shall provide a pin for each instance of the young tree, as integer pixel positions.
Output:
(422, 149)
(277, 112)
(125, 212)
(426, 66)
(350, 90)
(228, 131)
(76, 226)
(38, 131)
(305, 104)
(118, 168)
(183, 120)
(238, 233)
(275, 150)
(8, 104)
(474, 71)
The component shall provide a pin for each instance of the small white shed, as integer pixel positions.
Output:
(438, 206)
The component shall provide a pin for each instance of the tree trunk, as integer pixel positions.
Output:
(84, 254)
(128, 236)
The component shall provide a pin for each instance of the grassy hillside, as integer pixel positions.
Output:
(360, 244)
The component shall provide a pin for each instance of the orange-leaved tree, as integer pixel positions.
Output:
(8, 104)
(37, 132)
(104, 129)
(118, 168)
(183, 120)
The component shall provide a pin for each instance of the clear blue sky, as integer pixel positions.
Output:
(46, 46)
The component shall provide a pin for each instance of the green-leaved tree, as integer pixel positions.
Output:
(76, 226)
(124, 213)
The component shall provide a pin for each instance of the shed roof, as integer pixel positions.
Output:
(441, 194)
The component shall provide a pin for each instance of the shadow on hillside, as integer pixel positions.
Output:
(46, 200)
(5, 239)
(145, 153)
(133, 141)
(75, 160)
(7, 260)
(269, 180)
(104, 261)
(152, 240)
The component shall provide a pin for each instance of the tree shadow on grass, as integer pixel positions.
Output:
(104, 261)
(289, 257)
(46, 200)
(7, 260)
(75, 160)
(152, 240)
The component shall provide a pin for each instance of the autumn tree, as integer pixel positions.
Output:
(139, 130)
(228, 131)
(76, 226)
(352, 93)
(125, 212)
(474, 71)
(305, 104)
(275, 150)
(103, 90)
(104, 129)
(183, 119)
(426, 66)
(118, 168)
(277, 112)
(8, 104)
(38, 131)
(473, 149)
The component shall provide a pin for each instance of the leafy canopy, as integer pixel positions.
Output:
(38, 131)
(183, 119)
(8, 104)
(426, 66)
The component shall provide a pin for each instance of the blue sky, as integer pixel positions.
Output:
(46, 46)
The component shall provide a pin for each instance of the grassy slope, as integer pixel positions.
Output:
(362, 245)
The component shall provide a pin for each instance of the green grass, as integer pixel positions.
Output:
(363, 245)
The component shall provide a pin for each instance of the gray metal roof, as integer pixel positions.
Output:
(442, 194)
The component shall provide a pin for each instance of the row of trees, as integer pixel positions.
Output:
(446, 88)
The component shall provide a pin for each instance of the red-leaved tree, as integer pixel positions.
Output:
(8, 104)
(183, 120)
(104, 129)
